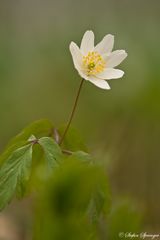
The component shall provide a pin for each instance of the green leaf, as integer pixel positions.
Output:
(9, 150)
(40, 128)
(100, 202)
(101, 199)
(82, 156)
(14, 174)
(73, 140)
(52, 151)
(37, 129)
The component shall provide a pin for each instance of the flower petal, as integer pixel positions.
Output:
(87, 43)
(115, 58)
(76, 55)
(106, 45)
(77, 58)
(110, 73)
(98, 82)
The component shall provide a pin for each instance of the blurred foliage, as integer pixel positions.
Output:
(70, 192)
(124, 218)
(16, 162)
(73, 202)
(73, 140)
(77, 195)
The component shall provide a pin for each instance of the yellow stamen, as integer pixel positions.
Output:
(93, 63)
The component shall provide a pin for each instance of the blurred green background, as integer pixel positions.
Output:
(38, 80)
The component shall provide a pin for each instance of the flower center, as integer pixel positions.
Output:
(93, 63)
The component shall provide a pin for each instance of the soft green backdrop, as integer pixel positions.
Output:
(38, 80)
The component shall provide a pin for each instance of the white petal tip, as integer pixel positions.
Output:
(88, 31)
(105, 87)
(125, 53)
(71, 45)
(120, 75)
(111, 35)
(99, 82)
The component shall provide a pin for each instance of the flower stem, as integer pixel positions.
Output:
(72, 113)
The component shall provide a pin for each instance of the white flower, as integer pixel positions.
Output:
(96, 63)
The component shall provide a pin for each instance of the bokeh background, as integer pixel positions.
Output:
(38, 80)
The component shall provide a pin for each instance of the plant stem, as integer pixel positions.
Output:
(72, 113)
(68, 152)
